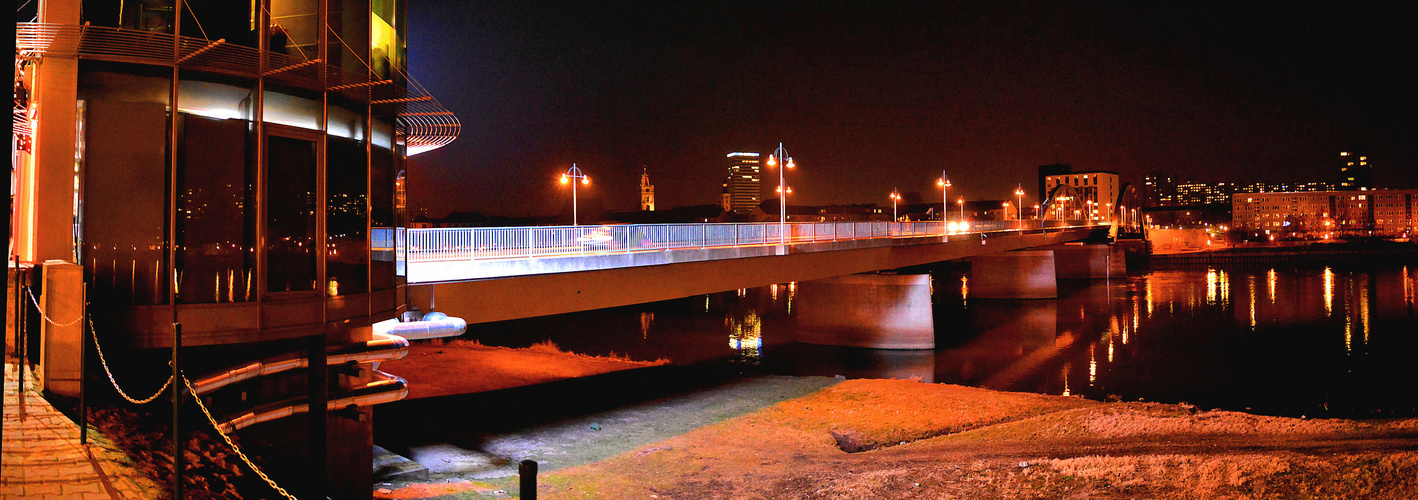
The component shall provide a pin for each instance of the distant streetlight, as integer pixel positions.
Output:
(572, 175)
(944, 184)
(1019, 202)
(895, 196)
(1036, 212)
(783, 189)
(961, 202)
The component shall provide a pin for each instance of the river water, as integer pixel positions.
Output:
(1323, 341)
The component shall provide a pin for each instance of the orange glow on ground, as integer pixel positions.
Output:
(435, 368)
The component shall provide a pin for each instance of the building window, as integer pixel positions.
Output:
(290, 214)
(215, 216)
(346, 213)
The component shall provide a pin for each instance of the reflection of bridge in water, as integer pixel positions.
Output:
(494, 274)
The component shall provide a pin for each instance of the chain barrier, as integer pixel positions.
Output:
(102, 359)
(217, 427)
(45, 315)
(191, 390)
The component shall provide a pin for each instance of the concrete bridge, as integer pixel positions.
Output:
(495, 274)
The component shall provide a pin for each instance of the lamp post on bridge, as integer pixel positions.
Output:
(961, 202)
(895, 196)
(783, 189)
(1019, 204)
(944, 184)
(572, 175)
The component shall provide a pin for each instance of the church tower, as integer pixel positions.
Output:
(647, 192)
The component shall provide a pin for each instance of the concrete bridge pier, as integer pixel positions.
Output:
(876, 311)
(1028, 274)
(1078, 261)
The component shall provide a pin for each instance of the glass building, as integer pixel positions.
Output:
(227, 166)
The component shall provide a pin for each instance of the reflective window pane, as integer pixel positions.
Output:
(125, 202)
(290, 214)
(346, 214)
(214, 225)
(381, 206)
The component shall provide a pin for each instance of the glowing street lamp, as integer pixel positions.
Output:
(944, 184)
(783, 189)
(572, 175)
(961, 202)
(895, 196)
(1019, 202)
(1036, 211)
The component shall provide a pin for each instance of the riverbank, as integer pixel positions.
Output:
(1292, 252)
(940, 441)
(442, 368)
(906, 439)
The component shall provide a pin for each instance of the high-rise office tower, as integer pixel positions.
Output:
(1159, 190)
(743, 182)
(1355, 173)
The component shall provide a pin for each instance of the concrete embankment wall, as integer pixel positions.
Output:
(1288, 255)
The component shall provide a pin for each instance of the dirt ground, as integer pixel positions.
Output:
(906, 439)
(440, 368)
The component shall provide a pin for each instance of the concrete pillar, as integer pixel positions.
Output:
(46, 198)
(1026, 274)
(61, 329)
(1089, 261)
(867, 310)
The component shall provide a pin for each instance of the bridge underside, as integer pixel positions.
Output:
(498, 299)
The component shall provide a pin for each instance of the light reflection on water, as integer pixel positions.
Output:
(1328, 341)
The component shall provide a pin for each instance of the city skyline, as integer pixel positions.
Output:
(889, 95)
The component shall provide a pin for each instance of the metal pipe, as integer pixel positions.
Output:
(383, 347)
(386, 390)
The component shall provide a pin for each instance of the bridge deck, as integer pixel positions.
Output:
(542, 286)
(437, 255)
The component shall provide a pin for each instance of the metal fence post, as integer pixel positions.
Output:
(83, 369)
(176, 412)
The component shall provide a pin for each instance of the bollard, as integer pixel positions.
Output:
(527, 470)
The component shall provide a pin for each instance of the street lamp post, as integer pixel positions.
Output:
(961, 202)
(783, 189)
(1019, 203)
(572, 175)
(895, 196)
(944, 184)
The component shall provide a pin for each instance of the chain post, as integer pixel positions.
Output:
(176, 413)
(83, 372)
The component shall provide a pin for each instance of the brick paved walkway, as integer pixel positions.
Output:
(41, 456)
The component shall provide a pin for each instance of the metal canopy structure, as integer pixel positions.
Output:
(425, 124)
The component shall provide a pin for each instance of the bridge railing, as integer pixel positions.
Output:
(475, 243)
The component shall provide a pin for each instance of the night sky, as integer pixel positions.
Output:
(871, 95)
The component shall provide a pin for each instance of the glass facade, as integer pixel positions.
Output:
(124, 164)
(237, 191)
(290, 214)
(346, 216)
(215, 216)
